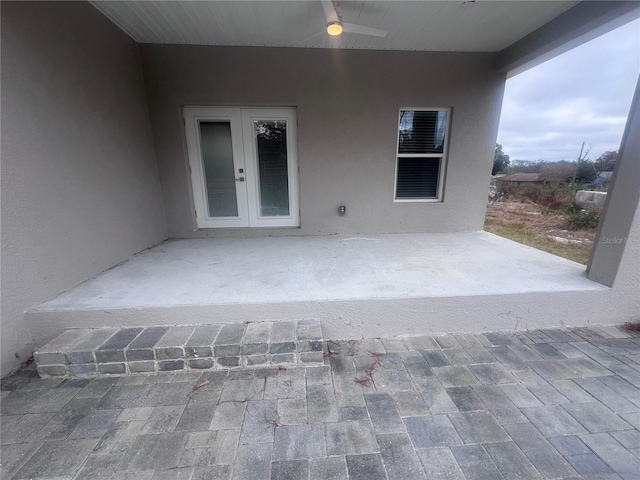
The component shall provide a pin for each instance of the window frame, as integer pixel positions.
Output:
(442, 156)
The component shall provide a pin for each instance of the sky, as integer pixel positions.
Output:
(581, 95)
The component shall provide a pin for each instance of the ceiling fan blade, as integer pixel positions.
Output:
(362, 30)
(311, 37)
(330, 11)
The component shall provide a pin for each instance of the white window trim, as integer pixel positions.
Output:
(442, 156)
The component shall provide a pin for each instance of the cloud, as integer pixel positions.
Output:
(582, 95)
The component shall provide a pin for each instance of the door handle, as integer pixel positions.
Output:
(241, 179)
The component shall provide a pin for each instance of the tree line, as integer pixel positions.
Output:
(582, 170)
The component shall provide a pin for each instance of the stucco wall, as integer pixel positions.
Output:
(80, 189)
(348, 103)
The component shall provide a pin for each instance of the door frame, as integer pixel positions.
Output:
(244, 157)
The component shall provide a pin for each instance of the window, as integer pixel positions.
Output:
(422, 139)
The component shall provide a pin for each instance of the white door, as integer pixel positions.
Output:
(244, 166)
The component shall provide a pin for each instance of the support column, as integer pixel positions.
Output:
(617, 232)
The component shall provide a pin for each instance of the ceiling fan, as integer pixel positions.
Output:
(335, 25)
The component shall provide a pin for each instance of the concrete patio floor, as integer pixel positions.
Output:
(295, 269)
(561, 403)
(371, 286)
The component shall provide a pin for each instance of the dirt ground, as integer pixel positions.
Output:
(538, 227)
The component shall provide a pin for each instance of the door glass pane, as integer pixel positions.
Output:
(219, 172)
(271, 138)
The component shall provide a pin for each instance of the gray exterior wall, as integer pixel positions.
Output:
(80, 189)
(348, 103)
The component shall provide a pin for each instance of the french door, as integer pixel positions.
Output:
(244, 166)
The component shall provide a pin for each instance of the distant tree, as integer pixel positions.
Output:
(500, 160)
(586, 172)
(581, 171)
(525, 166)
(558, 172)
(606, 162)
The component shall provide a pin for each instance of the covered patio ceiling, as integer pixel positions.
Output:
(522, 33)
(465, 26)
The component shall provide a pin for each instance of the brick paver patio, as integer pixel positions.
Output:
(541, 404)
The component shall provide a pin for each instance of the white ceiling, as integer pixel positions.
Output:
(480, 26)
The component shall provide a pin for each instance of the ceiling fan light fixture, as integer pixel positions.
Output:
(334, 28)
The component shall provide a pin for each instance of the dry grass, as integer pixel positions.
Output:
(539, 227)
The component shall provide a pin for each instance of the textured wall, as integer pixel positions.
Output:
(80, 189)
(348, 103)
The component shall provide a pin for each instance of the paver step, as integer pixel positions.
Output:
(113, 351)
